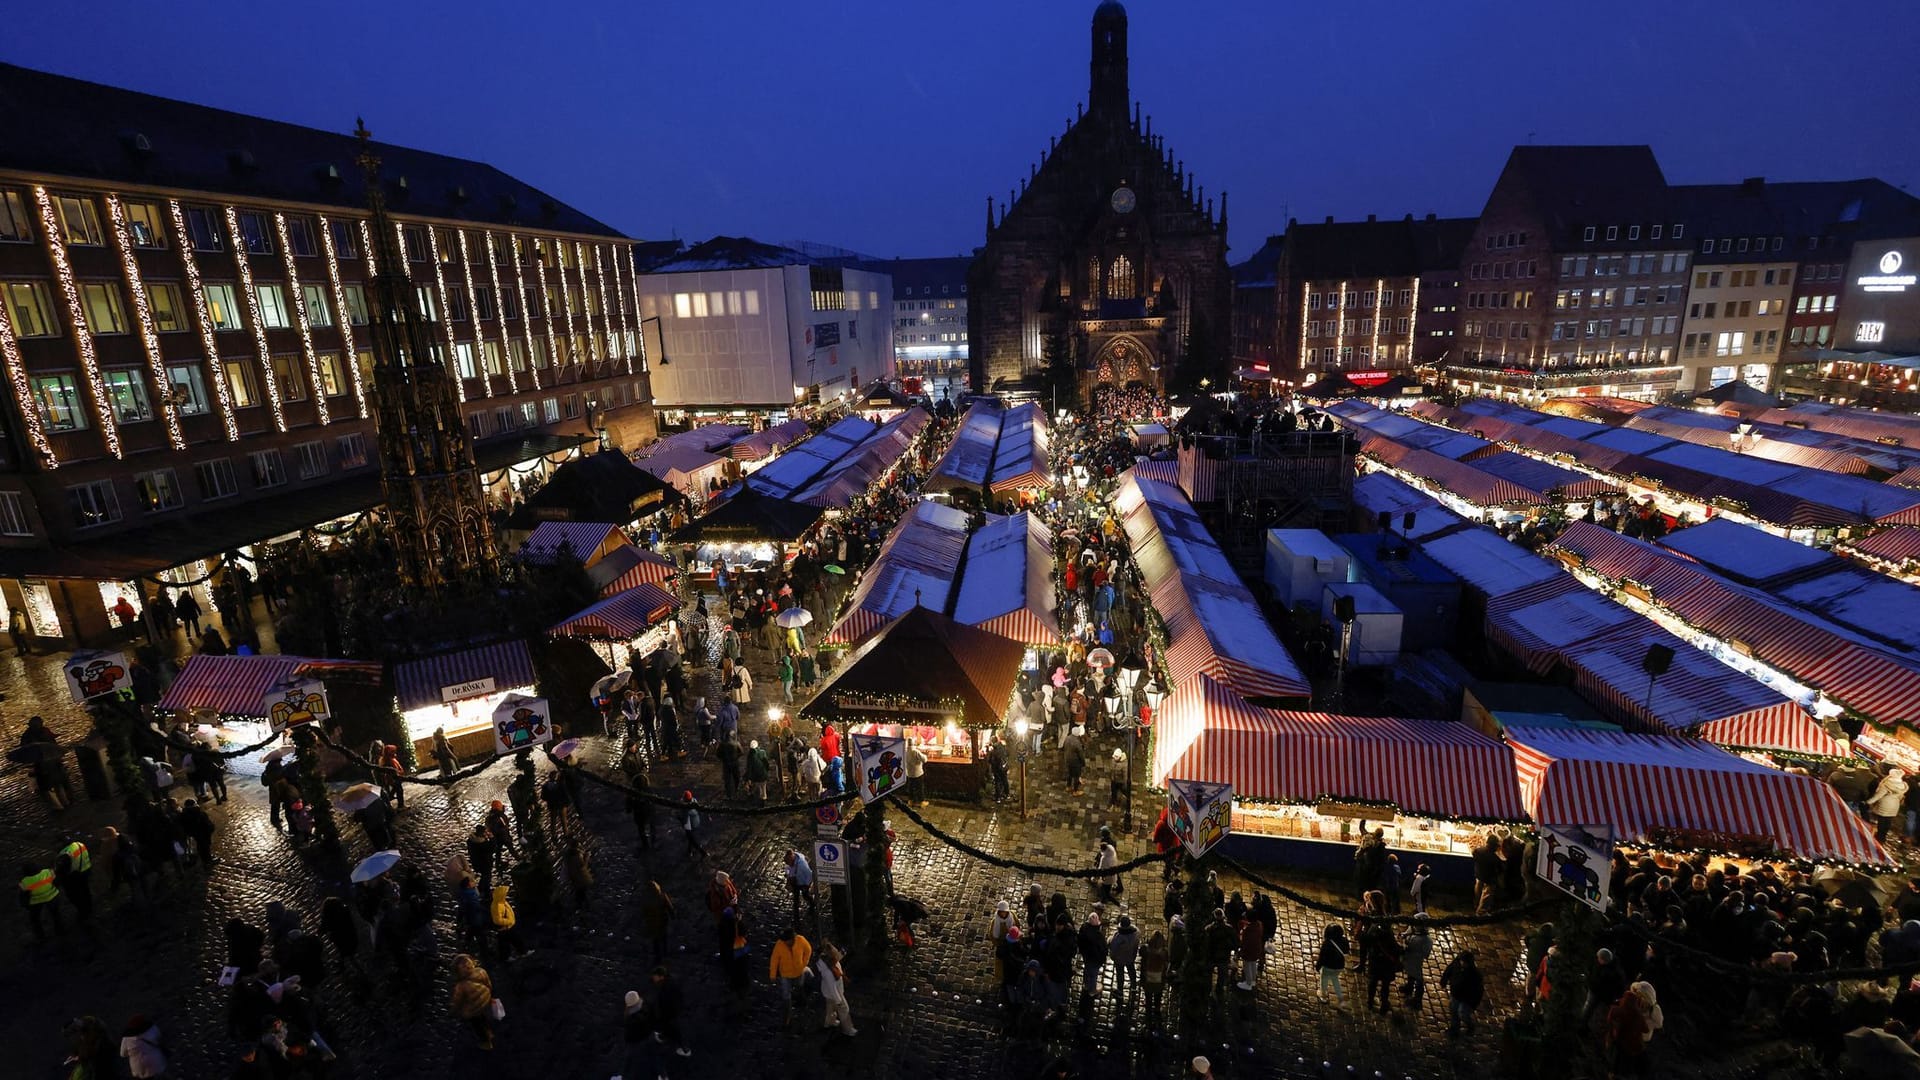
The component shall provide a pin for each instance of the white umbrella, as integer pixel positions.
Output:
(279, 752)
(1100, 658)
(374, 865)
(621, 678)
(358, 797)
(565, 749)
(793, 618)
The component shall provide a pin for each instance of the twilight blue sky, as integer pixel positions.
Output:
(881, 125)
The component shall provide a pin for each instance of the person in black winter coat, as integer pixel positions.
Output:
(1463, 980)
(1093, 960)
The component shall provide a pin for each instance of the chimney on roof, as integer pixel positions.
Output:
(1409, 217)
(137, 143)
(1753, 185)
(458, 196)
(328, 173)
(1329, 220)
(1372, 218)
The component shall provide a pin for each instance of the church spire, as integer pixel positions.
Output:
(1107, 95)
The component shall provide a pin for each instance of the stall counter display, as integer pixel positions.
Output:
(1302, 822)
(469, 724)
(955, 755)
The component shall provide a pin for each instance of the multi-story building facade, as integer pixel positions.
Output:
(1742, 285)
(1368, 295)
(1874, 355)
(751, 328)
(929, 314)
(1256, 352)
(184, 300)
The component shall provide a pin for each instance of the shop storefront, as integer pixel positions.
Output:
(458, 691)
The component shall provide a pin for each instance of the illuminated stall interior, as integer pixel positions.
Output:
(459, 691)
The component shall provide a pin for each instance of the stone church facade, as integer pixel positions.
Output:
(1108, 251)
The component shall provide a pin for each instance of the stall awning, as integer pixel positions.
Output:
(622, 616)
(231, 685)
(1662, 790)
(1698, 694)
(1894, 545)
(747, 514)
(915, 567)
(627, 567)
(418, 683)
(761, 443)
(587, 540)
(1207, 731)
(926, 656)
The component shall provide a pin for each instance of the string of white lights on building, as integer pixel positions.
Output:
(35, 431)
(301, 321)
(143, 314)
(76, 311)
(343, 317)
(446, 315)
(526, 313)
(473, 312)
(253, 318)
(500, 310)
(217, 373)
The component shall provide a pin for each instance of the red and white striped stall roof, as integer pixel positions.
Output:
(1697, 694)
(229, 685)
(1894, 545)
(418, 683)
(761, 443)
(914, 568)
(1006, 582)
(1641, 783)
(1207, 731)
(1538, 634)
(622, 616)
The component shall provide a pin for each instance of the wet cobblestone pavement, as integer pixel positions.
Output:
(930, 1013)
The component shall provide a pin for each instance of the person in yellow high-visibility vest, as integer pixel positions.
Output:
(73, 876)
(38, 894)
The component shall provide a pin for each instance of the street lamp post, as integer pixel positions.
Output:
(1020, 728)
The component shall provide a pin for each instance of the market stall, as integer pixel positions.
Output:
(1006, 581)
(459, 691)
(1306, 785)
(1683, 796)
(916, 566)
(587, 541)
(226, 697)
(946, 685)
(630, 566)
(636, 621)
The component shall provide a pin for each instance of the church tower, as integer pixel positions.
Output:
(1107, 89)
(435, 510)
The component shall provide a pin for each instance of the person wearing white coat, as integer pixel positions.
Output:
(812, 768)
(833, 990)
(1887, 801)
(140, 1045)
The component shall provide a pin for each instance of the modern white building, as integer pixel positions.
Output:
(751, 327)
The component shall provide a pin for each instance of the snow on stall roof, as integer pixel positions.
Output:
(797, 467)
(1378, 491)
(1009, 565)
(1869, 603)
(1745, 552)
(968, 461)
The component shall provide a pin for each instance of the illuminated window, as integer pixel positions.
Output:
(699, 305)
(163, 302)
(29, 308)
(429, 303)
(682, 306)
(189, 388)
(240, 383)
(93, 504)
(145, 224)
(58, 398)
(128, 394)
(158, 490)
(256, 235)
(215, 479)
(1093, 276)
(490, 357)
(333, 374)
(463, 355)
(105, 313)
(223, 310)
(529, 414)
(286, 376)
(509, 304)
(551, 407)
(517, 355)
(273, 307)
(1120, 279)
(14, 223)
(356, 304)
(733, 302)
(753, 301)
(78, 219)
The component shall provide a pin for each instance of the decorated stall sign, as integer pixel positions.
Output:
(880, 765)
(296, 702)
(95, 674)
(521, 721)
(1201, 813)
(1578, 860)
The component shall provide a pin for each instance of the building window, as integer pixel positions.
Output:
(356, 304)
(273, 307)
(58, 397)
(268, 470)
(163, 302)
(14, 222)
(318, 313)
(753, 301)
(416, 243)
(463, 356)
(215, 479)
(510, 304)
(345, 242)
(29, 308)
(13, 515)
(517, 355)
(429, 303)
(333, 374)
(286, 376)
(571, 406)
(144, 224)
(490, 357)
(310, 459)
(93, 504)
(223, 309)
(503, 419)
(204, 226)
(189, 388)
(300, 236)
(128, 394)
(78, 219)
(1589, 234)
(529, 414)
(158, 490)
(1120, 278)
(353, 451)
(256, 234)
(240, 383)
(551, 409)
(477, 424)
(456, 305)
(483, 302)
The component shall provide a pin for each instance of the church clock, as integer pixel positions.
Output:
(1123, 200)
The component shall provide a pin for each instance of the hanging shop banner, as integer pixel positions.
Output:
(1201, 813)
(1578, 860)
(94, 673)
(520, 721)
(880, 763)
(296, 702)
(824, 335)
